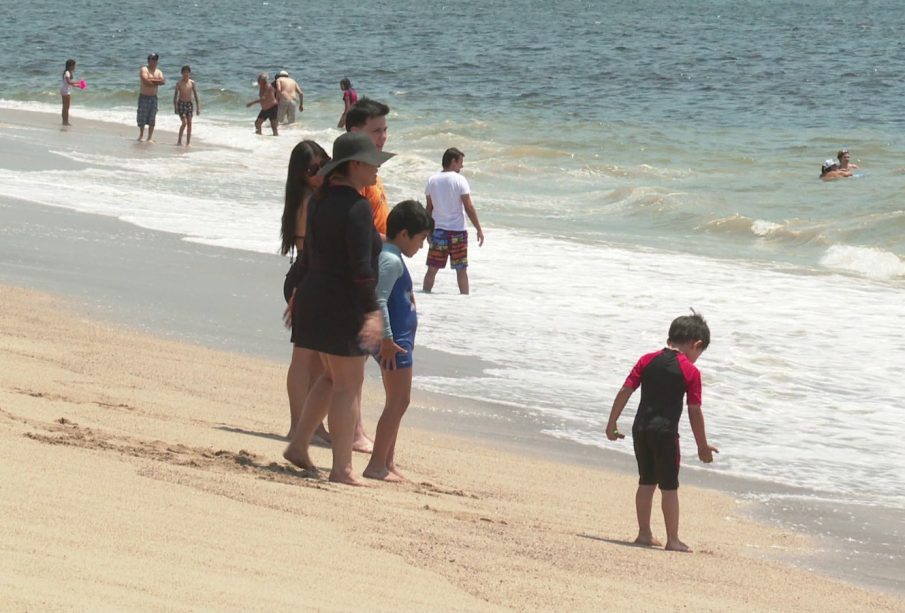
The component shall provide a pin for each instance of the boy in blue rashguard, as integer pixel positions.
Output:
(408, 225)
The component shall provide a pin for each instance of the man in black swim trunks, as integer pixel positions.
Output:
(267, 98)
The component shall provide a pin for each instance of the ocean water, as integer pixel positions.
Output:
(629, 161)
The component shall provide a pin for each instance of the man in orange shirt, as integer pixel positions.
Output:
(370, 117)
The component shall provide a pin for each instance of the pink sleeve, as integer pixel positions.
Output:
(692, 382)
(634, 378)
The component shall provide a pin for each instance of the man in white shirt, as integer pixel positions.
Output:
(448, 201)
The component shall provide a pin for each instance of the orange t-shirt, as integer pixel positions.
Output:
(380, 208)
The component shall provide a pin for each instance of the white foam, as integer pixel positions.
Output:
(868, 261)
(802, 381)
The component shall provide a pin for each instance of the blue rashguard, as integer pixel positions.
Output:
(397, 302)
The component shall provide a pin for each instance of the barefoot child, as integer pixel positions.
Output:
(182, 104)
(665, 376)
(408, 225)
(66, 89)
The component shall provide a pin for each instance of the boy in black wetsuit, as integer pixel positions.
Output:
(665, 377)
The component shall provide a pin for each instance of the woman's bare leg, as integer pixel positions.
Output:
(348, 376)
(317, 403)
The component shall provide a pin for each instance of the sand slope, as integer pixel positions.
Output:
(143, 474)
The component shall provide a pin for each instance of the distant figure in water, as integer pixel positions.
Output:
(844, 156)
(267, 98)
(150, 79)
(66, 89)
(350, 97)
(830, 171)
(666, 377)
(186, 104)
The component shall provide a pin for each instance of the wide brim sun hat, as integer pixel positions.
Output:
(357, 147)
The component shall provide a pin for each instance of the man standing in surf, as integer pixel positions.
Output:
(448, 201)
(150, 79)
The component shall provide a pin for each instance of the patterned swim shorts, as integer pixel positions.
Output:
(185, 109)
(448, 243)
(147, 110)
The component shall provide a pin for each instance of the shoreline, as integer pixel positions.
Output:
(230, 299)
(128, 292)
(168, 493)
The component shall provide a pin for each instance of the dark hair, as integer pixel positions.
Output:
(345, 84)
(689, 328)
(363, 110)
(70, 64)
(300, 160)
(826, 169)
(409, 215)
(186, 67)
(450, 155)
(153, 56)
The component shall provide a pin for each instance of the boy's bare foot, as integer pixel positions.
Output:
(297, 459)
(382, 474)
(345, 479)
(677, 546)
(647, 540)
(396, 472)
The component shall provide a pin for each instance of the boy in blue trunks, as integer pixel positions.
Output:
(408, 225)
(665, 377)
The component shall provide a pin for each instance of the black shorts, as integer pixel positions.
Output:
(270, 114)
(657, 453)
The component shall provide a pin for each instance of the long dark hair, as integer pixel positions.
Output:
(302, 158)
(70, 64)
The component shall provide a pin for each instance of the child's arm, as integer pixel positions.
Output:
(197, 99)
(175, 98)
(696, 417)
(390, 270)
(612, 432)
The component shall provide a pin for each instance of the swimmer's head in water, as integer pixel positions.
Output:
(843, 153)
(828, 166)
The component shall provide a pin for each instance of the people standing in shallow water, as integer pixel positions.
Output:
(302, 181)
(448, 202)
(66, 89)
(290, 94)
(335, 310)
(267, 98)
(830, 171)
(185, 92)
(150, 79)
(666, 377)
(350, 97)
(844, 158)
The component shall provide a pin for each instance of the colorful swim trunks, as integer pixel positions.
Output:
(147, 110)
(452, 244)
(185, 109)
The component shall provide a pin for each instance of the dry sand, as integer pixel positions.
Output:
(142, 474)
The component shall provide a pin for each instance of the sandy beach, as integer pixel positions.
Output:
(145, 474)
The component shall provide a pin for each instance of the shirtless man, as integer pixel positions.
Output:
(844, 158)
(183, 106)
(830, 171)
(267, 98)
(288, 89)
(150, 78)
